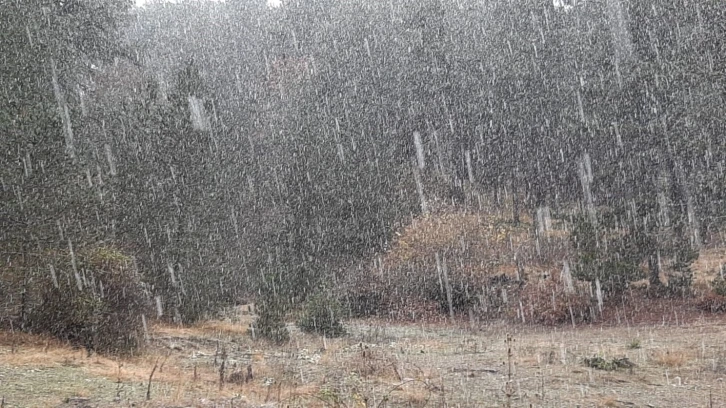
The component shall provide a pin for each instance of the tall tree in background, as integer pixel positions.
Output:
(303, 136)
(48, 179)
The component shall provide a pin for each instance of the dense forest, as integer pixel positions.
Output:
(205, 154)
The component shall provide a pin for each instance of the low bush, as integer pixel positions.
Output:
(714, 300)
(718, 286)
(634, 344)
(548, 302)
(463, 295)
(613, 364)
(322, 315)
(398, 299)
(94, 299)
(270, 322)
(615, 265)
(365, 295)
(365, 302)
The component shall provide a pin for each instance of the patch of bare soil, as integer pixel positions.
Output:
(676, 364)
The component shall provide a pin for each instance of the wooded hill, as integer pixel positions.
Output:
(233, 150)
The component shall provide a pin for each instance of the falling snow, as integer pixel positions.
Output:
(533, 163)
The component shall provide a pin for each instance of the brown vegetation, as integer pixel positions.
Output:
(473, 264)
(671, 358)
(90, 297)
(480, 266)
(398, 365)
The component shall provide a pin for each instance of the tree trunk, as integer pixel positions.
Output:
(654, 270)
(515, 199)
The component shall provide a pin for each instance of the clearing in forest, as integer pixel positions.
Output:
(381, 364)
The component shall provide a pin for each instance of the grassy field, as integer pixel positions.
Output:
(674, 355)
(379, 364)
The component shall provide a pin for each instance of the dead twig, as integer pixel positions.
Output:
(148, 388)
(395, 370)
(221, 367)
(118, 374)
(249, 376)
(166, 357)
(508, 390)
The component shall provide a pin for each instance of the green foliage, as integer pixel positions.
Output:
(681, 280)
(270, 322)
(180, 222)
(364, 302)
(50, 47)
(96, 303)
(318, 162)
(608, 365)
(322, 315)
(614, 263)
(463, 294)
(718, 286)
(613, 251)
(714, 301)
(282, 284)
(634, 344)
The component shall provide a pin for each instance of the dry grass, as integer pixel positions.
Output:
(18, 339)
(173, 375)
(371, 363)
(708, 265)
(487, 236)
(671, 358)
(38, 357)
(413, 393)
(608, 401)
(412, 365)
(210, 328)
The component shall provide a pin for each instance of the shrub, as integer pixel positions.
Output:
(270, 322)
(615, 264)
(463, 295)
(718, 286)
(608, 365)
(714, 300)
(96, 304)
(634, 344)
(322, 316)
(364, 302)
(548, 302)
(680, 281)
(367, 295)
(494, 300)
